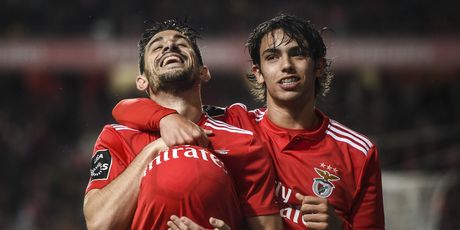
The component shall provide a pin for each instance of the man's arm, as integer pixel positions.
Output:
(112, 207)
(173, 127)
(140, 113)
(144, 114)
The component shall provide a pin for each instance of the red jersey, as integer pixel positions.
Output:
(245, 158)
(330, 162)
(186, 181)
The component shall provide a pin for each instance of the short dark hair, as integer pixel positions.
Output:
(306, 36)
(172, 24)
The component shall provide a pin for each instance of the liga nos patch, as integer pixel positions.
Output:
(100, 165)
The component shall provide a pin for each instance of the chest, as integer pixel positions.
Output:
(134, 144)
(316, 168)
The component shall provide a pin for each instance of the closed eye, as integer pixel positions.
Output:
(182, 45)
(157, 47)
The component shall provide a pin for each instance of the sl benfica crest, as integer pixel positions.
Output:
(322, 187)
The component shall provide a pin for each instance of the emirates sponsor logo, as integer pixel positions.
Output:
(184, 152)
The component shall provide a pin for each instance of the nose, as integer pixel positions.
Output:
(287, 66)
(170, 46)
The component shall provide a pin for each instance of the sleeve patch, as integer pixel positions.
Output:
(101, 163)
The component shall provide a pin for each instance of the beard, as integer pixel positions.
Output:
(173, 81)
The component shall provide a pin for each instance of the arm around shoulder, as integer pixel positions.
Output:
(145, 114)
(140, 113)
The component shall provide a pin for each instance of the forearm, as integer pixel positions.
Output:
(272, 222)
(140, 113)
(112, 207)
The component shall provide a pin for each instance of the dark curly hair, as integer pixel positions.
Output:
(173, 24)
(297, 29)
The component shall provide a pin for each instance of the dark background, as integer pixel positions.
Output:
(64, 65)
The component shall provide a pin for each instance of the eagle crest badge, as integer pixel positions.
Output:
(323, 187)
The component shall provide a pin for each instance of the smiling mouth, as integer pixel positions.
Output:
(171, 59)
(289, 80)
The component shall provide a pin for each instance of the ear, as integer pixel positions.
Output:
(320, 67)
(205, 75)
(259, 76)
(142, 83)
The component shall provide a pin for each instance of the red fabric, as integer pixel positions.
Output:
(134, 112)
(186, 181)
(332, 148)
(301, 157)
(249, 162)
(245, 157)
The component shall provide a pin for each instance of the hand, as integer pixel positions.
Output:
(155, 147)
(318, 214)
(178, 130)
(185, 223)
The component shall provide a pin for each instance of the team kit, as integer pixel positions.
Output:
(173, 163)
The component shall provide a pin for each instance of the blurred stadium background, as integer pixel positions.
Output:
(64, 65)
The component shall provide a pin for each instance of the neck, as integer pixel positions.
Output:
(186, 103)
(293, 116)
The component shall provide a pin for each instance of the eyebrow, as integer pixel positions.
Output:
(276, 50)
(176, 36)
(155, 40)
(270, 50)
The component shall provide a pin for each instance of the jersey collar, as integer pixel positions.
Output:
(311, 135)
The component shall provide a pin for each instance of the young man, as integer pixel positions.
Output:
(328, 175)
(135, 185)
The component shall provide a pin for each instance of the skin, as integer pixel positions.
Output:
(289, 74)
(318, 214)
(281, 60)
(172, 44)
(168, 56)
(113, 206)
(184, 223)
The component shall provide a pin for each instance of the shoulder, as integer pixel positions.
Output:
(111, 130)
(239, 109)
(216, 111)
(112, 134)
(225, 128)
(352, 139)
(243, 108)
(229, 140)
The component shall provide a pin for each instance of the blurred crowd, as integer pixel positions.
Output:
(117, 18)
(50, 119)
(49, 122)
